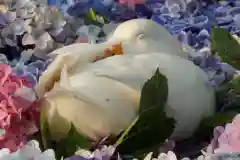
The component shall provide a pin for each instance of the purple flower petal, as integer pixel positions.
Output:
(33, 70)
(183, 37)
(228, 70)
(19, 71)
(31, 79)
(202, 35)
(37, 64)
(77, 157)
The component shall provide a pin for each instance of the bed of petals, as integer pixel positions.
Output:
(24, 57)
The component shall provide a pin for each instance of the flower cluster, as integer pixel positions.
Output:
(34, 26)
(191, 22)
(34, 30)
(30, 151)
(17, 117)
(226, 139)
(131, 3)
(31, 71)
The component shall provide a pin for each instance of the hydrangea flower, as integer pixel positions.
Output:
(217, 71)
(131, 3)
(191, 29)
(33, 25)
(164, 156)
(30, 151)
(17, 115)
(104, 153)
(226, 139)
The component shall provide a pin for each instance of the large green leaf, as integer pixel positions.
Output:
(152, 127)
(69, 145)
(154, 92)
(226, 47)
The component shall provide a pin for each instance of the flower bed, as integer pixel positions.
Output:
(30, 31)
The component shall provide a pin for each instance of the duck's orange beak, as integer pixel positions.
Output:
(115, 50)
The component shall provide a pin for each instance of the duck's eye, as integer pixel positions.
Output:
(140, 35)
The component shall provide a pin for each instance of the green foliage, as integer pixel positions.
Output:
(230, 91)
(236, 84)
(207, 125)
(234, 94)
(154, 93)
(152, 127)
(226, 47)
(94, 18)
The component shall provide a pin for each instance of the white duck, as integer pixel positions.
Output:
(135, 36)
(104, 98)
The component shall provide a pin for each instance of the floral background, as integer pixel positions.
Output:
(31, 29)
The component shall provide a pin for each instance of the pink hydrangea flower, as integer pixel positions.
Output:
(17, 117)
(226, 139)
(131, 3)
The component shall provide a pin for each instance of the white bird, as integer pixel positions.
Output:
(136, 36)
(104, 98)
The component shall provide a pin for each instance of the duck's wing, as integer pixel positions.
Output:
(53, 72)
(75, 57)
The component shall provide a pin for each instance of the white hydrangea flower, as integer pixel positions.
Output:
(10, 16)
(30, 151)
(3, 59)
(171, 156)
(21, 13)
(2, 20)
(4, 152)
(164, 156)
(8, 37)
(18, 27)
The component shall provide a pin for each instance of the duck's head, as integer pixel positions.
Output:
(145, 36)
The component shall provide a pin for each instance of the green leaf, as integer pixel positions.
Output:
(236, 84)
(226, 47)
(234, 95)
(231, 92)
(152, 127)
(95, 19)
(69, 145)
(92, 15)
(154, 92)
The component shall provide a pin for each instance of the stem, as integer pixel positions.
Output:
(125, 133)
